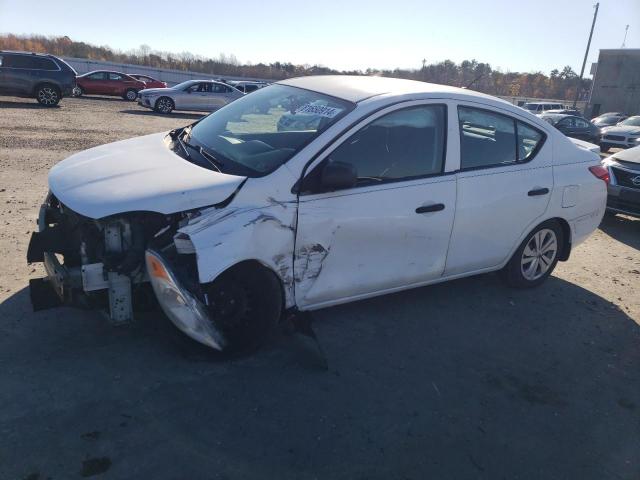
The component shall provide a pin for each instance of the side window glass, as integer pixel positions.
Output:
(581, 123)
(401, 145)
(1, 60)
(115, 76)
(96, 76)
(486, 138)
(528, 141)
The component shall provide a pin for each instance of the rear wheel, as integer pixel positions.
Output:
(536, 257)
(48, 95)
(604, 147)
(245, 302)
(130, 95)
(164, 105)
(78, 91)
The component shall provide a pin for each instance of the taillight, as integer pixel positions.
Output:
(601, 172)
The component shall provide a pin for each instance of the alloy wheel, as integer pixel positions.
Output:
(47, 96)
(131, 95)
(539, 254)
(164, 105)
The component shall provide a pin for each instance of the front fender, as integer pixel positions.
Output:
(223, 238)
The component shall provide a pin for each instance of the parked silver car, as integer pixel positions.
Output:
(197, 95)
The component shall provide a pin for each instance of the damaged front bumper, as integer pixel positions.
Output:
(85, 262)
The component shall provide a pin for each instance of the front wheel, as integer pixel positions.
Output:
(48, 95)
(164, 105)
(536, 257)
(245, 303)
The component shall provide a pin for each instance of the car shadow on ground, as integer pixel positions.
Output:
(103, 98)
(26, 104)
(467, 379)
(623, 228)
(146, 113)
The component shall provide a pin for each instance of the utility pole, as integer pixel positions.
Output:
(624, 41)
(584, 62)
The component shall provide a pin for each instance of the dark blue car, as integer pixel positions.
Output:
(44, 77)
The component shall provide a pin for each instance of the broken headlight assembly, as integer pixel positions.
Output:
(183, 308)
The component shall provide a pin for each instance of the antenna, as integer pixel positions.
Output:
(626, 30)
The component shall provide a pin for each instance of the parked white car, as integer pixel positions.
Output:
(388, 184)
(193, 95)
(538, 108)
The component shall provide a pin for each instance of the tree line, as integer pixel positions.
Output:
(558, 84)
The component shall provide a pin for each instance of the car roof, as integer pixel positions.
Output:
(543, 103)
(356, 88)
(35, 54)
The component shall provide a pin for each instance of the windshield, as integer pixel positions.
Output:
(632, 121)
(606, 120)
(530, 106)
(257, 133)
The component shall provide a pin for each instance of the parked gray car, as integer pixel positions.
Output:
(195, 95)
(44, 77)
(624, 185)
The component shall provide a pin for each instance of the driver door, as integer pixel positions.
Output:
(200, 98)
(391, 228)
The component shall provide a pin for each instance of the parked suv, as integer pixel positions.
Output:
(43, 77)
(104, 82)
(540, 107)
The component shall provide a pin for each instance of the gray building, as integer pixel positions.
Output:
(616, 84)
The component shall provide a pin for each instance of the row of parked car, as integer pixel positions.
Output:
(608, 130)
(48, 79)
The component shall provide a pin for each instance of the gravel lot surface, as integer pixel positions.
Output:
(467, 379)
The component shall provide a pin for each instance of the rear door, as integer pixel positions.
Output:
(18, 73)
(219, 96)
(504, 185)
(4, 85)
(390, 230)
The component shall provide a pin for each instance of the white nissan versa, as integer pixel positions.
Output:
(313, 192)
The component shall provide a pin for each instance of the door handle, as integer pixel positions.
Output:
(538, 191)
(436, 207)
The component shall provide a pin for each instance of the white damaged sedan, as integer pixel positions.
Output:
(308, 193)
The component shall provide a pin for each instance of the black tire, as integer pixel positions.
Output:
(530, 270)
(245, 302)
(604, 147)
(78, 91)
(164, 105)
(48, 95)
(130, 95)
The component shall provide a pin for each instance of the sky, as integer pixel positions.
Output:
(514, 35)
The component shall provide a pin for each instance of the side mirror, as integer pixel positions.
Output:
(338, 175)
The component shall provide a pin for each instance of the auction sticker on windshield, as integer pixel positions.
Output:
(321, 110)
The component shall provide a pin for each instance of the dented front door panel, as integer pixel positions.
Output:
(368, 240)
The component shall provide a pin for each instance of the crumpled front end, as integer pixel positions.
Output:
(92, 263)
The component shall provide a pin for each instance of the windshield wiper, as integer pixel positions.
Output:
(175, 135)
(215, 163)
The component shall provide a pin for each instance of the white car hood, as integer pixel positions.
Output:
(139, 174)
(622, 129)
(154, 91)
(586, 145)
